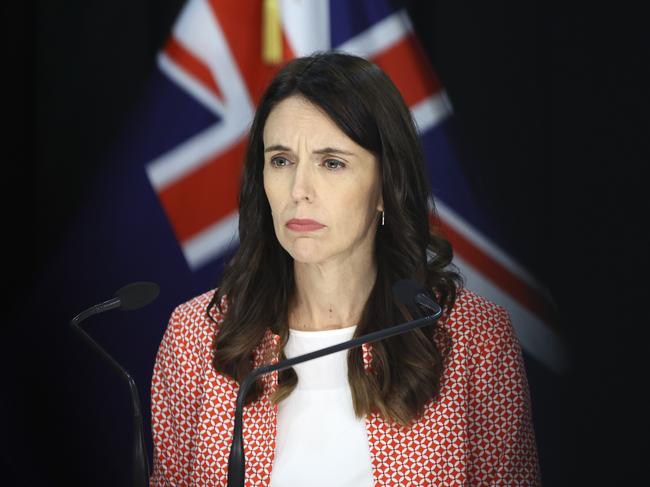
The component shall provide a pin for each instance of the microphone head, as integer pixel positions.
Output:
(414, 296)
(137, 294)
(405, 291)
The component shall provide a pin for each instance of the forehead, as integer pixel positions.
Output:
(298, 117)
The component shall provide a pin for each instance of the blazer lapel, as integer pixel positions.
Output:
(260, 417)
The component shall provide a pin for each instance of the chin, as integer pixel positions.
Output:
(306, 252)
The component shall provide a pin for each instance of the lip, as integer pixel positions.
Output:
(303, 225)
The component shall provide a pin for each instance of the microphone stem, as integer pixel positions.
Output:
(140, 467)
(99, 349)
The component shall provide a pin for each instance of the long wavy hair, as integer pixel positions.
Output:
(258, 282)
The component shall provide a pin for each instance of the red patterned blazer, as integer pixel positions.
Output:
(477, 432)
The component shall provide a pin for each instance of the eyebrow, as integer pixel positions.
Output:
(325, 150)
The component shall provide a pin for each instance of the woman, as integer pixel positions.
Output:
(334, 210)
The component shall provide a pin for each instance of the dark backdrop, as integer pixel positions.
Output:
(551, 100)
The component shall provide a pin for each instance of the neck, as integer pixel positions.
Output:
(330, 296)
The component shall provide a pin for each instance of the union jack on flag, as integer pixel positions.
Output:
(211, 75)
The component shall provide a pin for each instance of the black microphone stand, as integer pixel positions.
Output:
(140, 466)
(236, 460)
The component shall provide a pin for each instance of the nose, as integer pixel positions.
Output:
(302, 188)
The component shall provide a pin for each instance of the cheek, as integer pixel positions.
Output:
(355, 210)
(272, 192)
(275, 195)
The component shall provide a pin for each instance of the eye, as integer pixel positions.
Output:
(333, 164)
(279, 161)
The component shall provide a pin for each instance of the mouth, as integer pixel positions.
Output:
(303, 225)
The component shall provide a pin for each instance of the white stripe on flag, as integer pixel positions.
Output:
(306, 25)
(431, 111)
(454, 220)
(381, 36)
(211, 242)
(192, 154)
(190, 84)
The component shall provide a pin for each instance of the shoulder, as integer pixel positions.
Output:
(470, 304)
(475, 320)
(192, 326)
(478, 339)
(195, 310)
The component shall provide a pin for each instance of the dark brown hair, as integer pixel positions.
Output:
(258, 282)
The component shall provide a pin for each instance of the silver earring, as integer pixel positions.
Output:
(382, 218)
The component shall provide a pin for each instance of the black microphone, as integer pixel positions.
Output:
(130, 297)
(409, 292)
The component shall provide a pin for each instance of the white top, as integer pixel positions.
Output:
(319, 441)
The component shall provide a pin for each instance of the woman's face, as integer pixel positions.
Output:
(324, 190)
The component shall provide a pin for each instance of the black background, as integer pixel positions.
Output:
(552, 101)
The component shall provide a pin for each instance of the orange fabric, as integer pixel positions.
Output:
(477, 432)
